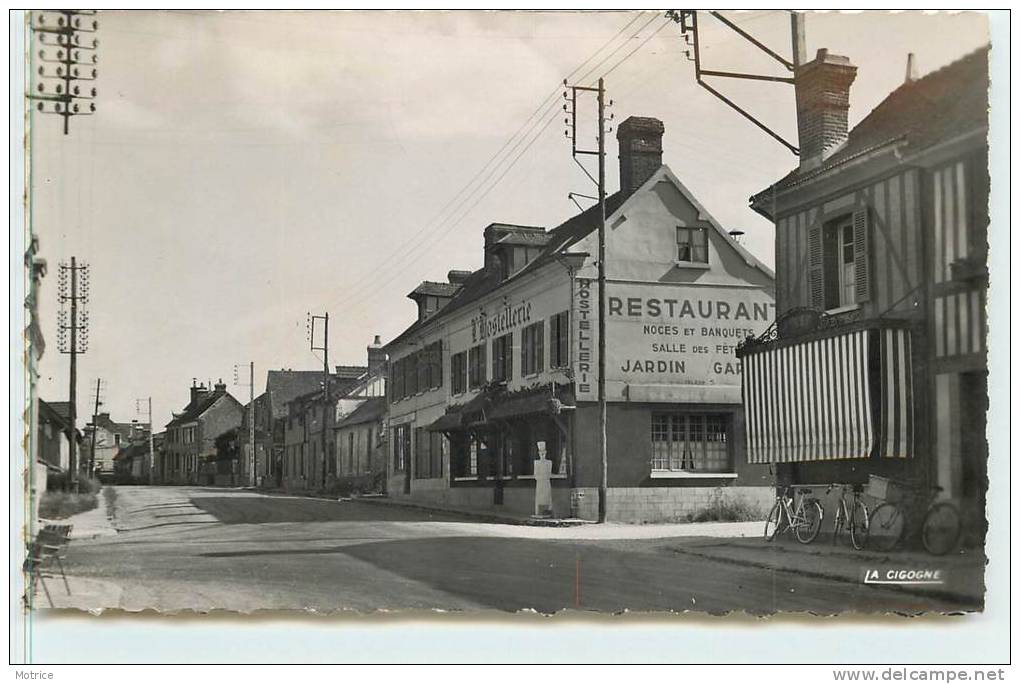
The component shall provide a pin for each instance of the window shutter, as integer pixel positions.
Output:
(816, 283)
(862, 272)
(540, 351)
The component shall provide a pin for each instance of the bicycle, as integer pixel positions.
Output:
(940, 530)
(805, 519)
(852, 517)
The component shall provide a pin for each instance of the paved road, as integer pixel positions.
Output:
(203, 549)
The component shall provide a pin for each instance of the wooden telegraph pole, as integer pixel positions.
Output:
(72, 339)
(600, 153)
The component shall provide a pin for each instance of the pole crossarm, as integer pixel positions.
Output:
(754, 41)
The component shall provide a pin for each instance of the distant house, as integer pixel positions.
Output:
(191, 435)
(361, 440)
(282, 387)
(132, 463)
(310, 450)
(110, 437)
(55, 435)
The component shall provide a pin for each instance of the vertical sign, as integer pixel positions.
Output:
(585, 322)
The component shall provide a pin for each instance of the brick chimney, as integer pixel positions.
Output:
(220, 387)
(457, 277)
(640, 140)
(197, 392)
(823, 103)
(376, 355)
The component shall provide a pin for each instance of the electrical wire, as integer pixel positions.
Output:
(522, 133)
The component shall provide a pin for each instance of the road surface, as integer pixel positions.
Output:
(202, 549)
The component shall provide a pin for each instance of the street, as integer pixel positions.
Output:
(202, 549)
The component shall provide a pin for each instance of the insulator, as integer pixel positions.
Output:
(92, 106)
(41, 88)
(60, 21)
(41, 107)
(60, 89)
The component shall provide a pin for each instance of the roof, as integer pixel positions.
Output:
(370, 410)
(194, 410)
(430, 287)
(56, 412)
(132, 451)
(61, 408)
(936, 107)
(485, 280)
(284, 386)
(520, 235)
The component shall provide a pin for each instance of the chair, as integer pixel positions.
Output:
(48, 547)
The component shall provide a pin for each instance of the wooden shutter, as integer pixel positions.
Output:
(861, 255)
(540, 347)
(816, 282)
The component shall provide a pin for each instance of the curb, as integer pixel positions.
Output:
(480, 516)
(934, 593)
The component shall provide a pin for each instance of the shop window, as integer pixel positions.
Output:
(559, 340)
(463, 456)
(476, 366)
(458, 372)
(502, 358)
(691, 442)
(533, 349)
(692, 245)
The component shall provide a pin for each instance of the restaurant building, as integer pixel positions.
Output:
(495, 383)
(877, 362)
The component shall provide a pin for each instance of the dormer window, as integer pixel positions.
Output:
(692, 245)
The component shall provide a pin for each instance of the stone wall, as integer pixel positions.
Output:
(668, 504)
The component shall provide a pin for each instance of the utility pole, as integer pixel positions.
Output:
(72, 338)
(250, 459)
(67, 58)
(95, 415)
(152, 451)
(312, 320)
(600, 153)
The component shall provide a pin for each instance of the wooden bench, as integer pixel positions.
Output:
(48, 548)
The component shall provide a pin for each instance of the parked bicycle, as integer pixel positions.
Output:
(851, 515)
(940, 530)
(803, 514)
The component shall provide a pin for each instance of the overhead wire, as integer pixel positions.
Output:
(460, 199)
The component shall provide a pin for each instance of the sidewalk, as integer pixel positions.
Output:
(91, 595)
(961, 573)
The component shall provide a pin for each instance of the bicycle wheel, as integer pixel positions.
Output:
(886, 528)
(772, 522)
(858, 525)
(811, 523)
(941, 530)
(837, 523)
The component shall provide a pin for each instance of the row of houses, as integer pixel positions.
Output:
(313, 431)
(863, 354)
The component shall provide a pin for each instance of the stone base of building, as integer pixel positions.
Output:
(671, 504)
(625, 504)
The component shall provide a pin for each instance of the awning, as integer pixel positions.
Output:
(845, 395)
(448, 422)
(527, 403)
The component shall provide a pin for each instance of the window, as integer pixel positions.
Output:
(692, 244)
(401, 446)
(839, 264)
(838, 272)
(433, 361)
(458, 372)
(464, 452)
(476, 366)
(691, 443)
(559, 340)
(502, 358)
(533, 349)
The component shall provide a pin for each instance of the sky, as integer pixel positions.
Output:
(246, 168)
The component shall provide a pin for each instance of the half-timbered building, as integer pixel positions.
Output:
(876, 363)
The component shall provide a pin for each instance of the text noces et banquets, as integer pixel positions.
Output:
(688, 308)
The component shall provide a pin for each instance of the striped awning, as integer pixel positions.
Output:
(843, 396)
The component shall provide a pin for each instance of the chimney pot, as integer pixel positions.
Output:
(640, 141)
(911, 74)
(376, 355)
